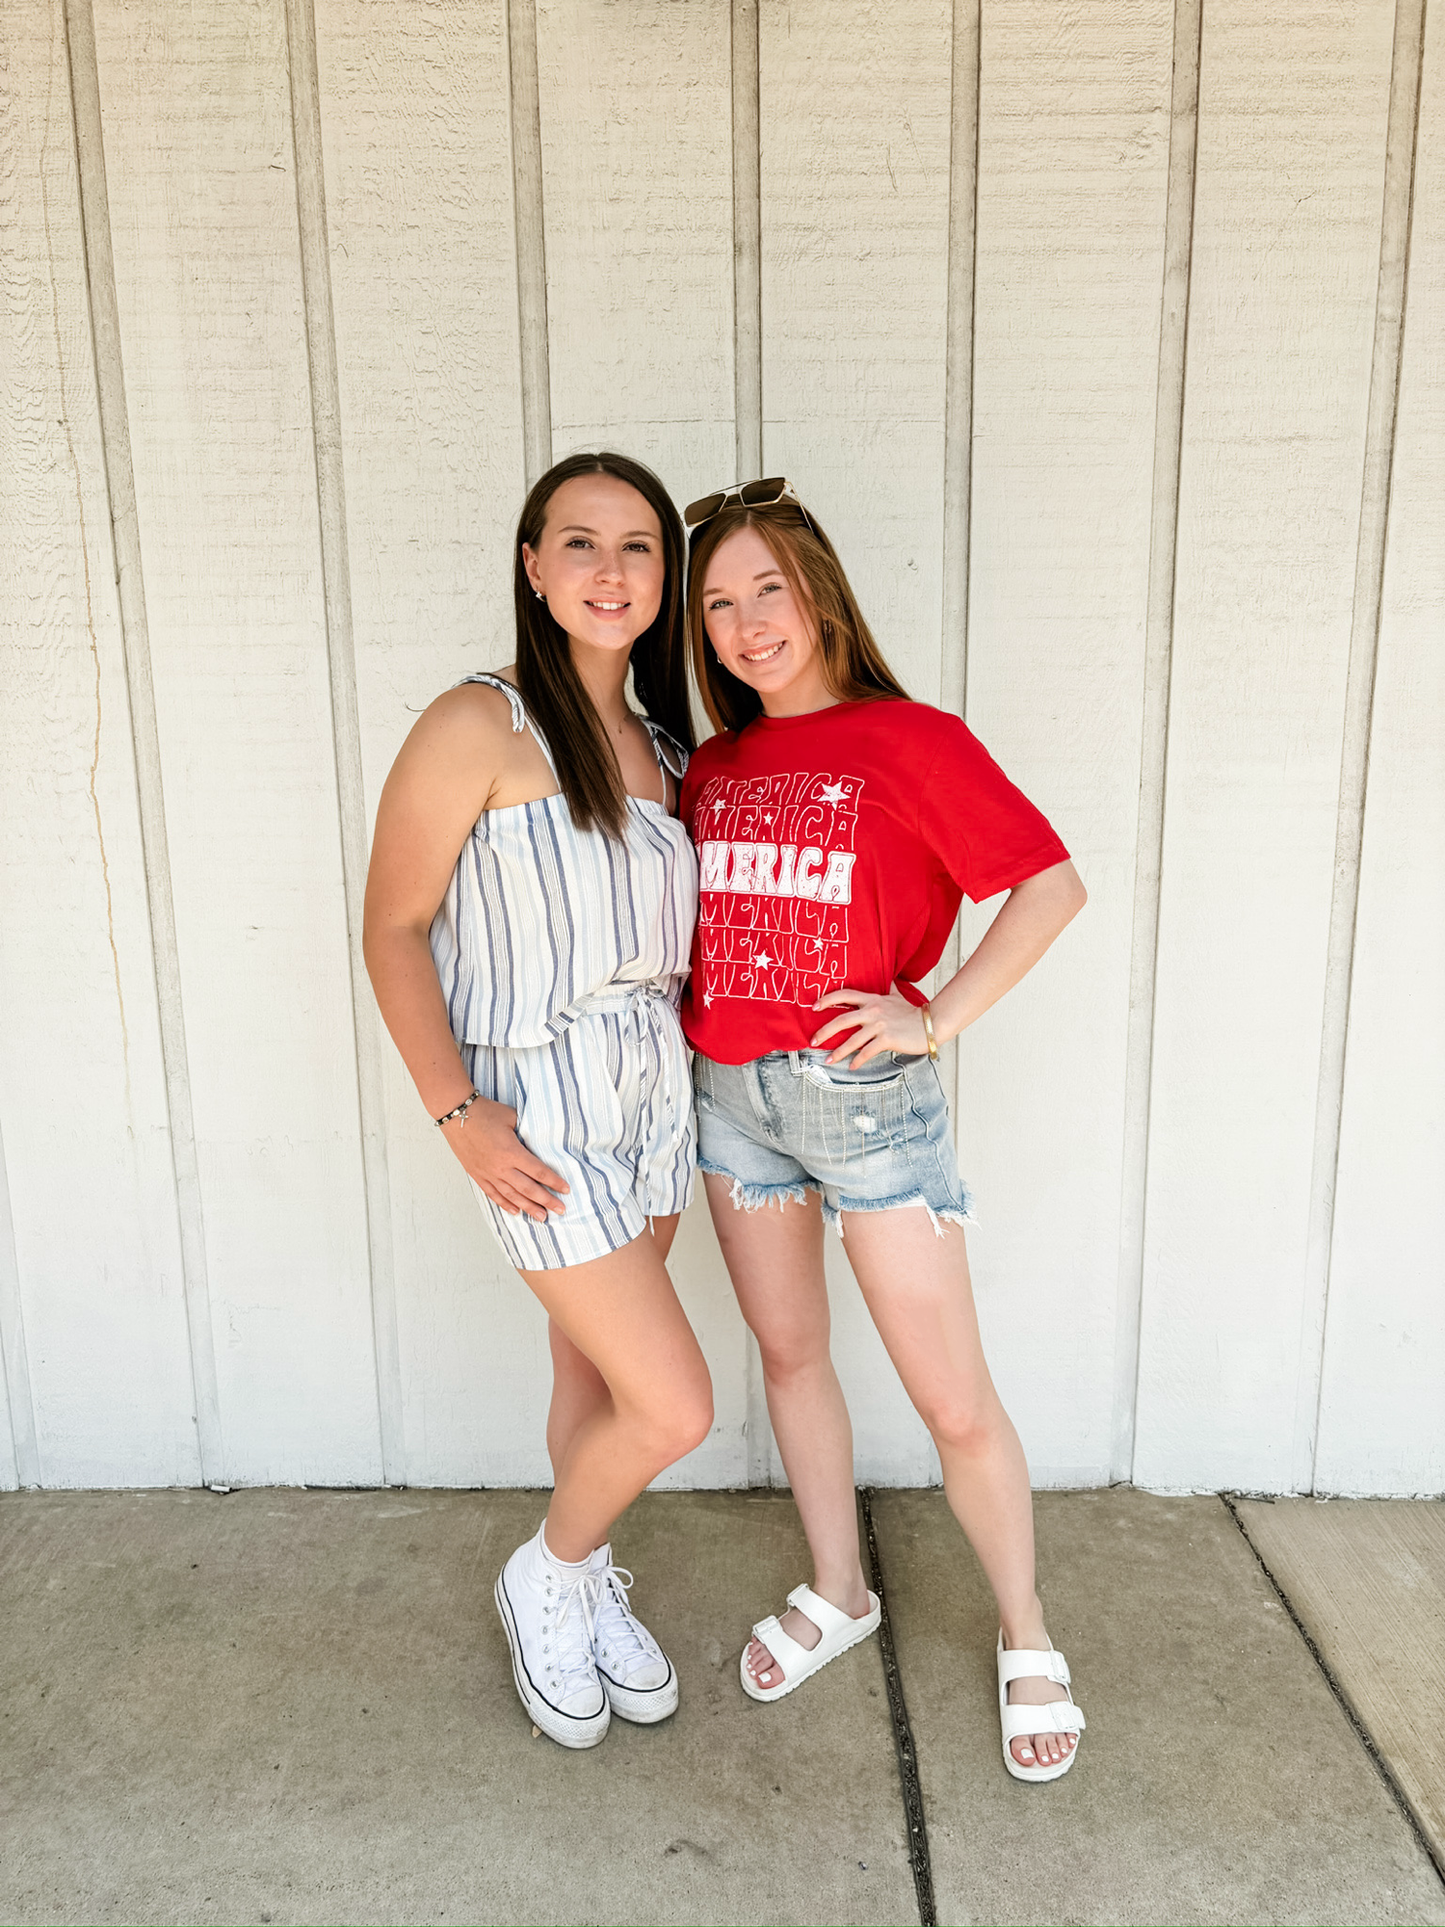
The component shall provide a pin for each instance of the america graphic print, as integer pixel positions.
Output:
(776, 856)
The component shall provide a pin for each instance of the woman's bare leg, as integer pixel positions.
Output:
(578, 1388)
(917, 1288)
(775, 1259)
(622, 1314)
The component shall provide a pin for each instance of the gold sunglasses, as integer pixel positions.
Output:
(763, 494)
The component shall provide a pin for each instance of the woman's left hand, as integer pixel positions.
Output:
(875, 1024)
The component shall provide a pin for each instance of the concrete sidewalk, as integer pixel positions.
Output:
(296, 1706)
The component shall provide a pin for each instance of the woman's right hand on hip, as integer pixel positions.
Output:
(495, 1159)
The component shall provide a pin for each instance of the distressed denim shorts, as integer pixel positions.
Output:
(872, 1139)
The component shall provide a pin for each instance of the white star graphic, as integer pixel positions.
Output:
(717, 807)
(762, 961)
(834, 792)
(707, 999)
(817, 943)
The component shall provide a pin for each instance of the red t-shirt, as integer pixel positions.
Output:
(835, 850)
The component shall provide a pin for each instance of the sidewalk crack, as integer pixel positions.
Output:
(909, 1783)
(1361, 1731)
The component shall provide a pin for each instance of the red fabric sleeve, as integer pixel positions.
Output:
(984, 830)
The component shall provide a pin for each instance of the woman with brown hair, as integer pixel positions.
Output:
(528, 918)
(838, 827)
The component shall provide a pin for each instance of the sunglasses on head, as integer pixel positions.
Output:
(763, 494)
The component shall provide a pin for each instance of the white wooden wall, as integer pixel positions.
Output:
(1109, 343)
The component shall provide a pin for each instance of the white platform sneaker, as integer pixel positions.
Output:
(636, 1674)
(547, 1610)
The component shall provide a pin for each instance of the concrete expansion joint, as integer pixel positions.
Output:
(1361, 1731)
(909, 1783)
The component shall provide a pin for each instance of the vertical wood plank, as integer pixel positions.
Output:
(1154, 722)
(641, 202)
(855, 110)
(1292, 121)
(1073, 160)
(92, 1310)
(345, 720)
(203, 214)
(638, 196)
(435, 433)
(1405, 74)
(856, 121)
(1382, 1419)
(109, 364)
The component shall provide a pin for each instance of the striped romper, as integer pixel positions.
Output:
(562, 954)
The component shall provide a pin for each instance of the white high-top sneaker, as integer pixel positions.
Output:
(547, 1610)
(636, 1674)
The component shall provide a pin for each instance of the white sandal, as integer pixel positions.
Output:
(801, 1662)
(1056, 1716)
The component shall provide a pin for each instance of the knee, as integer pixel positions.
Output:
(680, 1426)
(788, 1357)
(692, 1421)
(963, 1425)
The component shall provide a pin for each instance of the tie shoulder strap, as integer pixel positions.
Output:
(520, 719)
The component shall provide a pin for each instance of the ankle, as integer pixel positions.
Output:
(1025, 1628)
(847, 1591)
(555, 1558)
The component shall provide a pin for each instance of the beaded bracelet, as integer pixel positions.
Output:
(461, 1111)
(926, 1014)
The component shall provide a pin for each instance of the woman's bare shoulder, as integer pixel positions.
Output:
(469, 737)
(465, 732)
(473, 704)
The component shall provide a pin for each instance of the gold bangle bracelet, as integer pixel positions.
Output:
(926, 1014)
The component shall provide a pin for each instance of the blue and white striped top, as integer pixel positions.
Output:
(541, 919)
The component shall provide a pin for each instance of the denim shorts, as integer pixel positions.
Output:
(872, 1139)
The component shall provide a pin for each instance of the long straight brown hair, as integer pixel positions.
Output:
(587, 767)
(853, 664)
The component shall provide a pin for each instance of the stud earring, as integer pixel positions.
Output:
(539, 595)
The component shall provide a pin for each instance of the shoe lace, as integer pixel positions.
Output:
(575, 1611)
(616, 1626)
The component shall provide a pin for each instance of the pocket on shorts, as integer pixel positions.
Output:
(879, 1073)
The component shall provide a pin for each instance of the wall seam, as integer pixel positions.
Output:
(747, 242)
(961, 336)
(145, 737)
(529, 229)
(1397, 209)
(1154, 732)
(325, 395)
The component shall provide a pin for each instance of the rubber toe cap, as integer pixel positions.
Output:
(585, 1704)
(646, 1676)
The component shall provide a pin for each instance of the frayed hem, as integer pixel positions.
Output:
(757, 1197)
(938, 1219)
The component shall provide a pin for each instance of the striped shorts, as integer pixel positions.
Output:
(608, 1106)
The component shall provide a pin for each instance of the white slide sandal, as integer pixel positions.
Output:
(1056, 1716)
(801, 1662)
